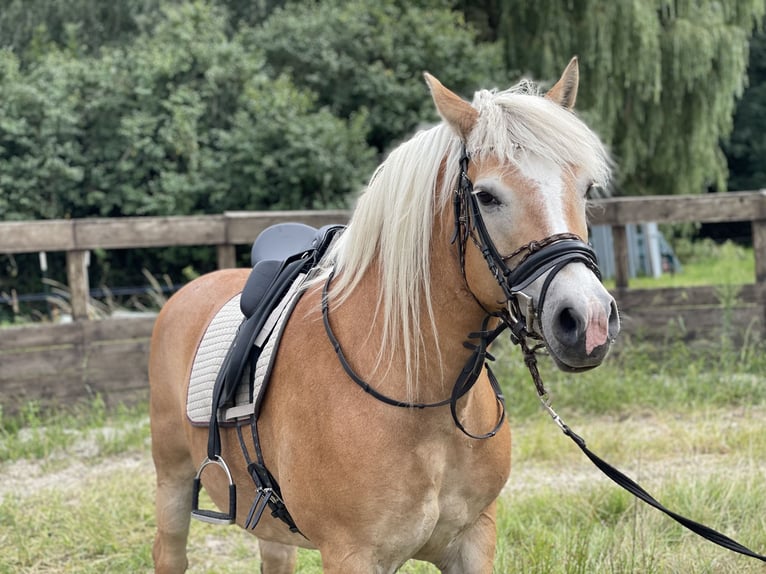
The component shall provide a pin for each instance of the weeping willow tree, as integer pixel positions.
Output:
(659, 78)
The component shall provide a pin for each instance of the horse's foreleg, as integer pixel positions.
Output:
(474, 552)
(277, 558)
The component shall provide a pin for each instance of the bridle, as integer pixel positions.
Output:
(538, 257)
(547, 255)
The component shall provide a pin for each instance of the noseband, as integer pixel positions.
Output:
(550, 254)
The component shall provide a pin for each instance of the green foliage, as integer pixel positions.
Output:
(746, 149)
(31, 27)
(370, 55)
(178, 122)
(659, 79)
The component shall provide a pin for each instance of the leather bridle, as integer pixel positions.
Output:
(550, 255)
(547, 255)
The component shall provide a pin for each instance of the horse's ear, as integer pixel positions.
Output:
(458, 113)
(564, 92)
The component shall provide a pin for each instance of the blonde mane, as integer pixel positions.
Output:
(392, 224)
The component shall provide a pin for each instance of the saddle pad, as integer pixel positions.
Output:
(214, 347)
(210, 355)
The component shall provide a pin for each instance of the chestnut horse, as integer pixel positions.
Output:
(431, 252)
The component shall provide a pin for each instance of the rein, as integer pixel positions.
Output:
(548, 255)
(552, 253)
(464, 383)
(622, 480)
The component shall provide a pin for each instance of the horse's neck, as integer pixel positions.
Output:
(441, 355)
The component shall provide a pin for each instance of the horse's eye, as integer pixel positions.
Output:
(486, 198)
(593, 191)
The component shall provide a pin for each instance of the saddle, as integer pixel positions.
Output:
(281, 256)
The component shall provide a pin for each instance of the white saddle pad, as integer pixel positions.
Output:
(212, 351)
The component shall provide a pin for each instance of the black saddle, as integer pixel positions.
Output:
(273, 247)
(279, 254)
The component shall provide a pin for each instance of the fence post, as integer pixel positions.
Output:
(79, 285)
(227, 256)
(759, 252)
(620, 243)
(759, 249)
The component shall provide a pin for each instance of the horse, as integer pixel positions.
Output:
(476, 223)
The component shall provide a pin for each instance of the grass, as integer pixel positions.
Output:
(726, 263)
(85, 427)
(556, 516)
(602, 529)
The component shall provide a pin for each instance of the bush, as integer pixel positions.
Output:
(179, 122)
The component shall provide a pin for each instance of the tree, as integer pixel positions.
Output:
(659, 79)
(182, 120)
(746, 150)
(30, 27)
(370, 55)
(178, 121)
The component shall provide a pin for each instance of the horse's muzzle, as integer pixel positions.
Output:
(579, 335)
(557, 288)
(565, 305)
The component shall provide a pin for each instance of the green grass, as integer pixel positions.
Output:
(704, 262)
(85, 426)
(637, 376)
(602, 529)
(557, 516)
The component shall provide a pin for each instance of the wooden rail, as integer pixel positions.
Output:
(77, 236)
(52, 363)
(710, 208)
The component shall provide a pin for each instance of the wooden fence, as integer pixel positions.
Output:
(65, 362)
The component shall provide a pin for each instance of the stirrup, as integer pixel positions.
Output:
(214, 516)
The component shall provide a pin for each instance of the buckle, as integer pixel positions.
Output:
(525, 306)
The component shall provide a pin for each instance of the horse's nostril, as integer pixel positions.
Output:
(614, 320)
(568, 326)
(567, 321)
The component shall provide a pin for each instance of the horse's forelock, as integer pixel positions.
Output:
(518, 122)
